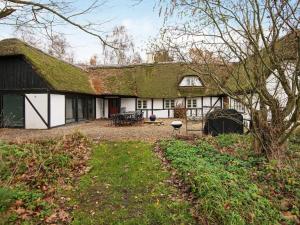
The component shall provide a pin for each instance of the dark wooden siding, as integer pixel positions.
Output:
(17, 74)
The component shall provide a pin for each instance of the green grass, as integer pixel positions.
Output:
(233, 185)
(127, 185)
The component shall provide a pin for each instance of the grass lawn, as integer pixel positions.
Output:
(72, 180)
(127, 185)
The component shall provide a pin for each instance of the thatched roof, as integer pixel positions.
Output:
(157, 80)
(60, 75)
(245, 74)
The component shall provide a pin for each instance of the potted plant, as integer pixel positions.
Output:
(152, 118)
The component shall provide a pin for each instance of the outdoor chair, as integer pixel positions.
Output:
(139, 116)
(128, 118)
(123, 110)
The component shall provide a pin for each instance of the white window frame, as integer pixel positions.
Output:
(191, 103)
(142, 104)
(169, 103)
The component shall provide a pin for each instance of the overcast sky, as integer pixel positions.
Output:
(141, 20)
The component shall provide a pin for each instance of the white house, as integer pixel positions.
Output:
(38, 91)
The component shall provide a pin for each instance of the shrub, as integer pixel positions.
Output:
(179, 112)
(221, 183)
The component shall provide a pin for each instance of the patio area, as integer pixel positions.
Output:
(99, 129)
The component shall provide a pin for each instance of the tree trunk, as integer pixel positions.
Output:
(267, 136)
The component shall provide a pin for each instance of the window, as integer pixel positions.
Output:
(85, 108)
(238, 106)
(142, 104)
(70, 109)
(169, 103)
(192, 103)
(190, 81)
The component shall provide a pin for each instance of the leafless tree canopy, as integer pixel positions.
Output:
(257, 42)
(46, 15)
(124, 51)
(60, 48)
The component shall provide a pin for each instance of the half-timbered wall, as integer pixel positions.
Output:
(204, 106)
(158, 106)
(36, 111)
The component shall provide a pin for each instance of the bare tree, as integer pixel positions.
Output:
(124, 51)
(60, 48)
(162, 56)
(94, 60)
(160, 50)
(56, 45)
(29, 36)
(47, 14)
(257, 44)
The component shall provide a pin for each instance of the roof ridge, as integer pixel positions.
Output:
(116, 66)
(39, 50)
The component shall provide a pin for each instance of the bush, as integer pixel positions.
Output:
(180, 112)
(221, 183)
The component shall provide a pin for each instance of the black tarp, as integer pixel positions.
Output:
(223, 121)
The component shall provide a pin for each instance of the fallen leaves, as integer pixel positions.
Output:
(46, 165)
(59, 216)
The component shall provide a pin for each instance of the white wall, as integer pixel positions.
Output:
(57, 110)
(105, 108)
(216, 100)
(179, 102)
(128, 103)
(206, 101)
(158, 103)
(161, 113)
(32, 119)
(99, 108)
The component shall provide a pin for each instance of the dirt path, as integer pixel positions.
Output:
(100, 129)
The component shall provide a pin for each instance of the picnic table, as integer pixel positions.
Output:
(127, 118)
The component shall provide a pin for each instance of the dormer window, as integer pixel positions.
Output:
(191, 81)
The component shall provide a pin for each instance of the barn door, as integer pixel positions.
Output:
(12, 111)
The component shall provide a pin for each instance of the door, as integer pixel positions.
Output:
(114, 105)
(12, 111)
(91, 108)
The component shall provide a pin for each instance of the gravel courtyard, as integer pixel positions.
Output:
(99, 129)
